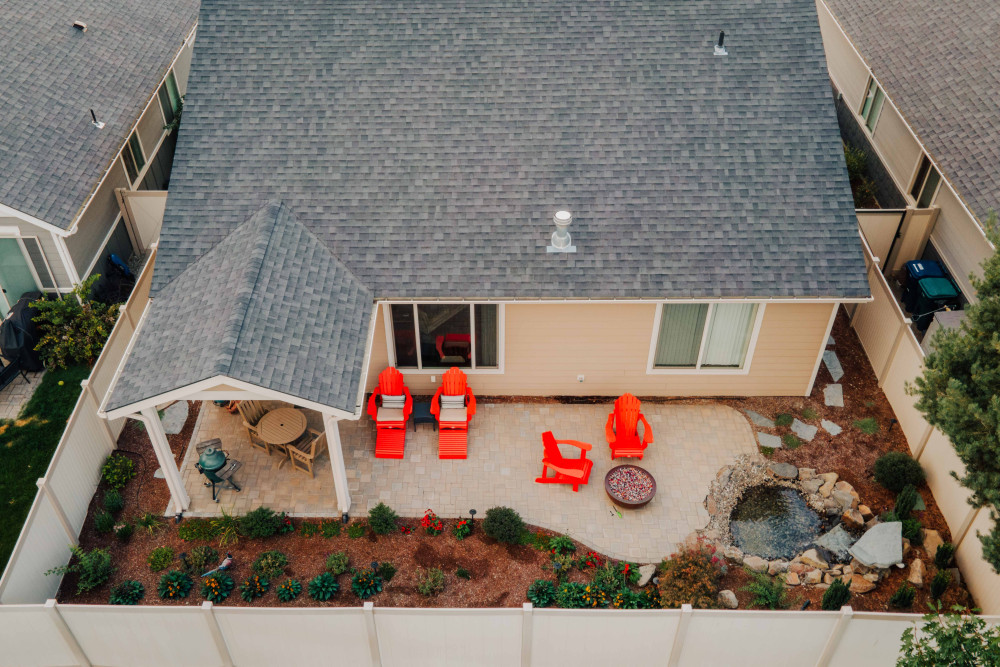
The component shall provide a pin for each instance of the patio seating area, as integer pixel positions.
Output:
(504, 458)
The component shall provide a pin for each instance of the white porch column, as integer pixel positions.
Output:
(165, 458)
(337, 462)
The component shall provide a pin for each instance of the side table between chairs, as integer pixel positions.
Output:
(422, 415)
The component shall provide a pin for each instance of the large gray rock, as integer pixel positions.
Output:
(845, 499)
(783, 470)
(759, 419)
(756, 563)
(768, 440)
(728, 599)
(174, 417)
(803, 430)
(882, 546)
(830, 427)
(811, 486)
(837, 541)
(833, 396)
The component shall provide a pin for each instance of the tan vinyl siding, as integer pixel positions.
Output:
(900, 151)
(97, 220)
(182, 67)
(959, 240)
(47, 244)
(548, 345)
(847, 69)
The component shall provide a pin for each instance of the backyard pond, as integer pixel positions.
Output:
(773, 522)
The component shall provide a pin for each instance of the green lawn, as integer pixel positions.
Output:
(26, 447)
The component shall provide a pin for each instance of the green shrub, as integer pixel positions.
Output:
(127, 592)
(570, 595)
(903, 597)
(93, 567)
(783, 419)
(895, 470)
(123, 531)
(430, 581)
(540, 540)
(329, 529)
(337, 562)
(767, 452)
(382, 519)
(462, 529)
(117, 471)
(768, 592)
(691, 576)
(254, 587)
(73, 330)
(216, 587)
(913, 530)
(308, 528)
(562, 564)
(857, 162)
(462, 573)
(356, 530)
(939, 583)
(174, 585)
(836, 596)
(868, 425)
(366, 583)
(628, 599)
(259, 523)
(888, 516)
(113, 501)
(104, 522)
(196, 529)
(560, 544)
(270, 564)
(503, 524)
(323, 587)
(906, 501)
(387, 571)
(542, 593)
(288, 590)
(201, 559)
(944, 555)
(791, 441)
(958, 638)
(160, 558)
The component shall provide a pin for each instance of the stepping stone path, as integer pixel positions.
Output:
(829, 342)
(174, 417)
(830, 427)
(833, 365)
(768, 440)
(833, 395)
(759, 419)
(803, 430)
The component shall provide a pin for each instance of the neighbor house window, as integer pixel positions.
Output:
(702, 335)
(442, 335)
(133, 157)
(925, 184)
(170, 99)
(872, 106)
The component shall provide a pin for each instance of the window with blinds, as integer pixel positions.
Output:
(702, 335)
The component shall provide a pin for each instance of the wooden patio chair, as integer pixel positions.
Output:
(303, 452)
(453, 405)
(566, 470)
(251, 412)
(390, 406)
(622, 429)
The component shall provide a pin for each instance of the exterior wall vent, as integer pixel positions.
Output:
(561, 240)
(80, 25)
(720, 49)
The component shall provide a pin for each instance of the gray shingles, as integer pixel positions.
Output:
(51, 75)
(938, 63)
(427, 144)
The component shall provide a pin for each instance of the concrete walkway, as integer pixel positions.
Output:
(691, 443)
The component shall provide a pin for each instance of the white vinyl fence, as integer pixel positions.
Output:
(897, 358)
(60, 506)
(193, 636)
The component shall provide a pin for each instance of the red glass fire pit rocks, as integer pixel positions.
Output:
(629, 487)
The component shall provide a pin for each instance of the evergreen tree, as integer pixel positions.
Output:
(959, 393)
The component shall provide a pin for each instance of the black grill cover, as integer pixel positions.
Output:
(19, 335)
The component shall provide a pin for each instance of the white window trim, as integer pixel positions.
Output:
(913, 182)
(163, 113)
(15, 233)
(390, 342)
(878, 88)
(651, 369)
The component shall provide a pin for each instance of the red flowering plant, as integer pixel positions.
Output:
(405, 530)
(462, 529)
(592, 559)
(431, 523)
(285, 524)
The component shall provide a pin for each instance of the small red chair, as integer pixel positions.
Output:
(390, 406)
(622, 430)
(567, 471)
(453, 405)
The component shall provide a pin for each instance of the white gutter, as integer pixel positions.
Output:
(643, 300)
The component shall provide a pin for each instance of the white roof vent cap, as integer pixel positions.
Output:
(80, 25)
(561, 240)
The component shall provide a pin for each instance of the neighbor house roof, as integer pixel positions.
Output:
(269, 305)
(937, 61)
(51, 75)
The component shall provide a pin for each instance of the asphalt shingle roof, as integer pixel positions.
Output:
(269, 305)
(51, 156)
(938, 63)
(428, 143)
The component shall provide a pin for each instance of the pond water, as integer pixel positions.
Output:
(773, 522)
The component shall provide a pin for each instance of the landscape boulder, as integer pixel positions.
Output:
(882, 546)
(782, 470)
(917, 572)
(728, 599)
(837, 541)
(813, 559)
(861, 585)
(756, 563)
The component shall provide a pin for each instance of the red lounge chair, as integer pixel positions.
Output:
(390, 421)
(567, 471)
(453, 405)
(622, 429)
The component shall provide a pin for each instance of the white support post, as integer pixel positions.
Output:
(678, 646)
(337, 464)
(43, 488)
(527, 619)
(846, 614)
(376, 653)
(225, 659)
(52, 609)
(161, 446)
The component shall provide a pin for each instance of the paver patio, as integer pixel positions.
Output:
(505, 452)
(17, 393)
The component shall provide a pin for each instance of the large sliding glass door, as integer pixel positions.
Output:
(16, 277)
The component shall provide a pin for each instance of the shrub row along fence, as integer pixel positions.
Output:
(191, 636)
(897, 358)
(60, 506)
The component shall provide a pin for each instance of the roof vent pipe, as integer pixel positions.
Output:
(561, 240)
(720, 50)
(93, 119)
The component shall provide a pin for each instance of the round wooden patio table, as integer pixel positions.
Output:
(281, 426)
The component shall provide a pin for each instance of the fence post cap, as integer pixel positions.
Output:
(207, 605)
(846, 610)
(40, 482)
(527, 606)
(51, 603)
(369, 606)
(686, 609)
(84, 382)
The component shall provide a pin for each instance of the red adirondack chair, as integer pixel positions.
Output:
(622, 429)
(567, 471)
(390, 421)
(453, 405)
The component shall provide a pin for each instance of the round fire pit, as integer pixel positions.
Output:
(629, 486)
